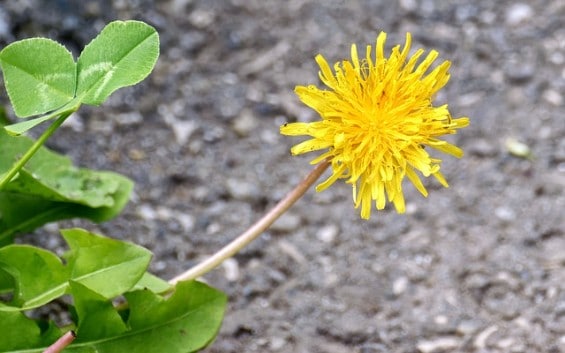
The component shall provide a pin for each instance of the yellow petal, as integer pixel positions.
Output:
(329, 181)
(295, 129)
(326, 74)
(309, 146)
(415, 179)
(448, 148)
(441, 179)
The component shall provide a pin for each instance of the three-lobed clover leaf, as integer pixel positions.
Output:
(41, 75)
(123, 54)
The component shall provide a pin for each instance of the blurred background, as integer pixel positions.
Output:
(478, 267)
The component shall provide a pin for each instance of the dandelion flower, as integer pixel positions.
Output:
(377, 118)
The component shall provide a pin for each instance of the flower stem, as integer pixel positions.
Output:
(61, 343)
(255, 230)
(34, 148)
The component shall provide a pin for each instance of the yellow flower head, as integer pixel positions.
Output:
(376, 120)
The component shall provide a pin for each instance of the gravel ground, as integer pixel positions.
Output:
(478, 267)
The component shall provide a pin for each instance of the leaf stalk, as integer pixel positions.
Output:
(33, 149)
(61, 343)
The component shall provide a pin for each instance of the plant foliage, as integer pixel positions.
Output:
(50, 188)
(115, 304)
(123, 54)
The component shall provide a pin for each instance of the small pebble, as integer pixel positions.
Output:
(408, 5)
(291, 250)
(5, 25)
(164, 213)
(92, 9)
(241, 189)
(52, 228)
(518, 13)
(519, 71)
(438, 345)
(126, 119)
(136, 154)
(192, 40)
(231, 269)
(214, 134)
(517, 148)
(146, 212)
(505, 214)
(270, 137)
(266, 59)
(201, 18)
(482, 148)
(505, 343)
(287, 223)
(159, 266)
(400, 285)
(480, 341)
(470, 99)
(276, 276)
(232, 96)
(276, 343)
(373, 348)
(467, 327)
(245, 123)
(75, 122)
(328, 233)
(553, 97)
(183, 130)
(441, 319)
(351, 324)
(213, 228)
(186, 221)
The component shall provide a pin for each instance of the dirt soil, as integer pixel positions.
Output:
(478, 267)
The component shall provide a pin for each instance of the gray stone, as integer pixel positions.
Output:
(242, 189)
(440, 344)
(483, 148)
(245, 123)
(287, 223)
(328, 233)
(518, 13)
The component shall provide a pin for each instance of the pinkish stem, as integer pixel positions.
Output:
(61, 343)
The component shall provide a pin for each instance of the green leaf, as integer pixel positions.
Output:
(49, 188)
(106, 266)
(97, 317)
(4, 120)
(190, 319)
(39, 275)
(123, 54)
(6, 282)
(21, 213)
(51, 176)
(186, 322)
(20, 333)
(23, 126)
(153, 283)
(39, 74)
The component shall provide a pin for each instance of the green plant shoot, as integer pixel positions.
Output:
(41, 75)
